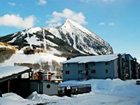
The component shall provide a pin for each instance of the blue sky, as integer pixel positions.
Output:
(116, 21)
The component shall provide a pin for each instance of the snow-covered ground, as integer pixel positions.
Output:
(19, 57)
(104, 92)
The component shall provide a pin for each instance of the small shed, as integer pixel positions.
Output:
(44, 87)
(11, 81)
(73, 88)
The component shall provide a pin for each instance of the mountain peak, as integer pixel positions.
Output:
(70, 24)
(33, 30)
(70, 21)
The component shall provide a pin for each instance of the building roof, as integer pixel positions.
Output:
(99, 58)
(73, 83)
(6, 71)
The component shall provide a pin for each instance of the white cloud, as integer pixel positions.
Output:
(106, 24)
(85, 1)
(111, 24)
(11, 3)
(102, 24)
(108, 1)
(42, 2)
(58, 17)
(17, 21)
(97, 1)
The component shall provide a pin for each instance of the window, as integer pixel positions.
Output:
(67, 72)
(79, 71)
(67, 65)
(93, 71)
(106, 71)
(48, 86)
(93, 63)
(86, 65)
(106, 63)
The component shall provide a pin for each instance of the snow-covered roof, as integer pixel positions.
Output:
(73, 84)
(99, 58)
(10, 70)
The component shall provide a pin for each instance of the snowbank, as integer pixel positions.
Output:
(42, 98)
(14, 99)
(104, 92)
(116, 87)
(111, 87)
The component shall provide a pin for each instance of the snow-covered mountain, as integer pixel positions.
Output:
(69, 39)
